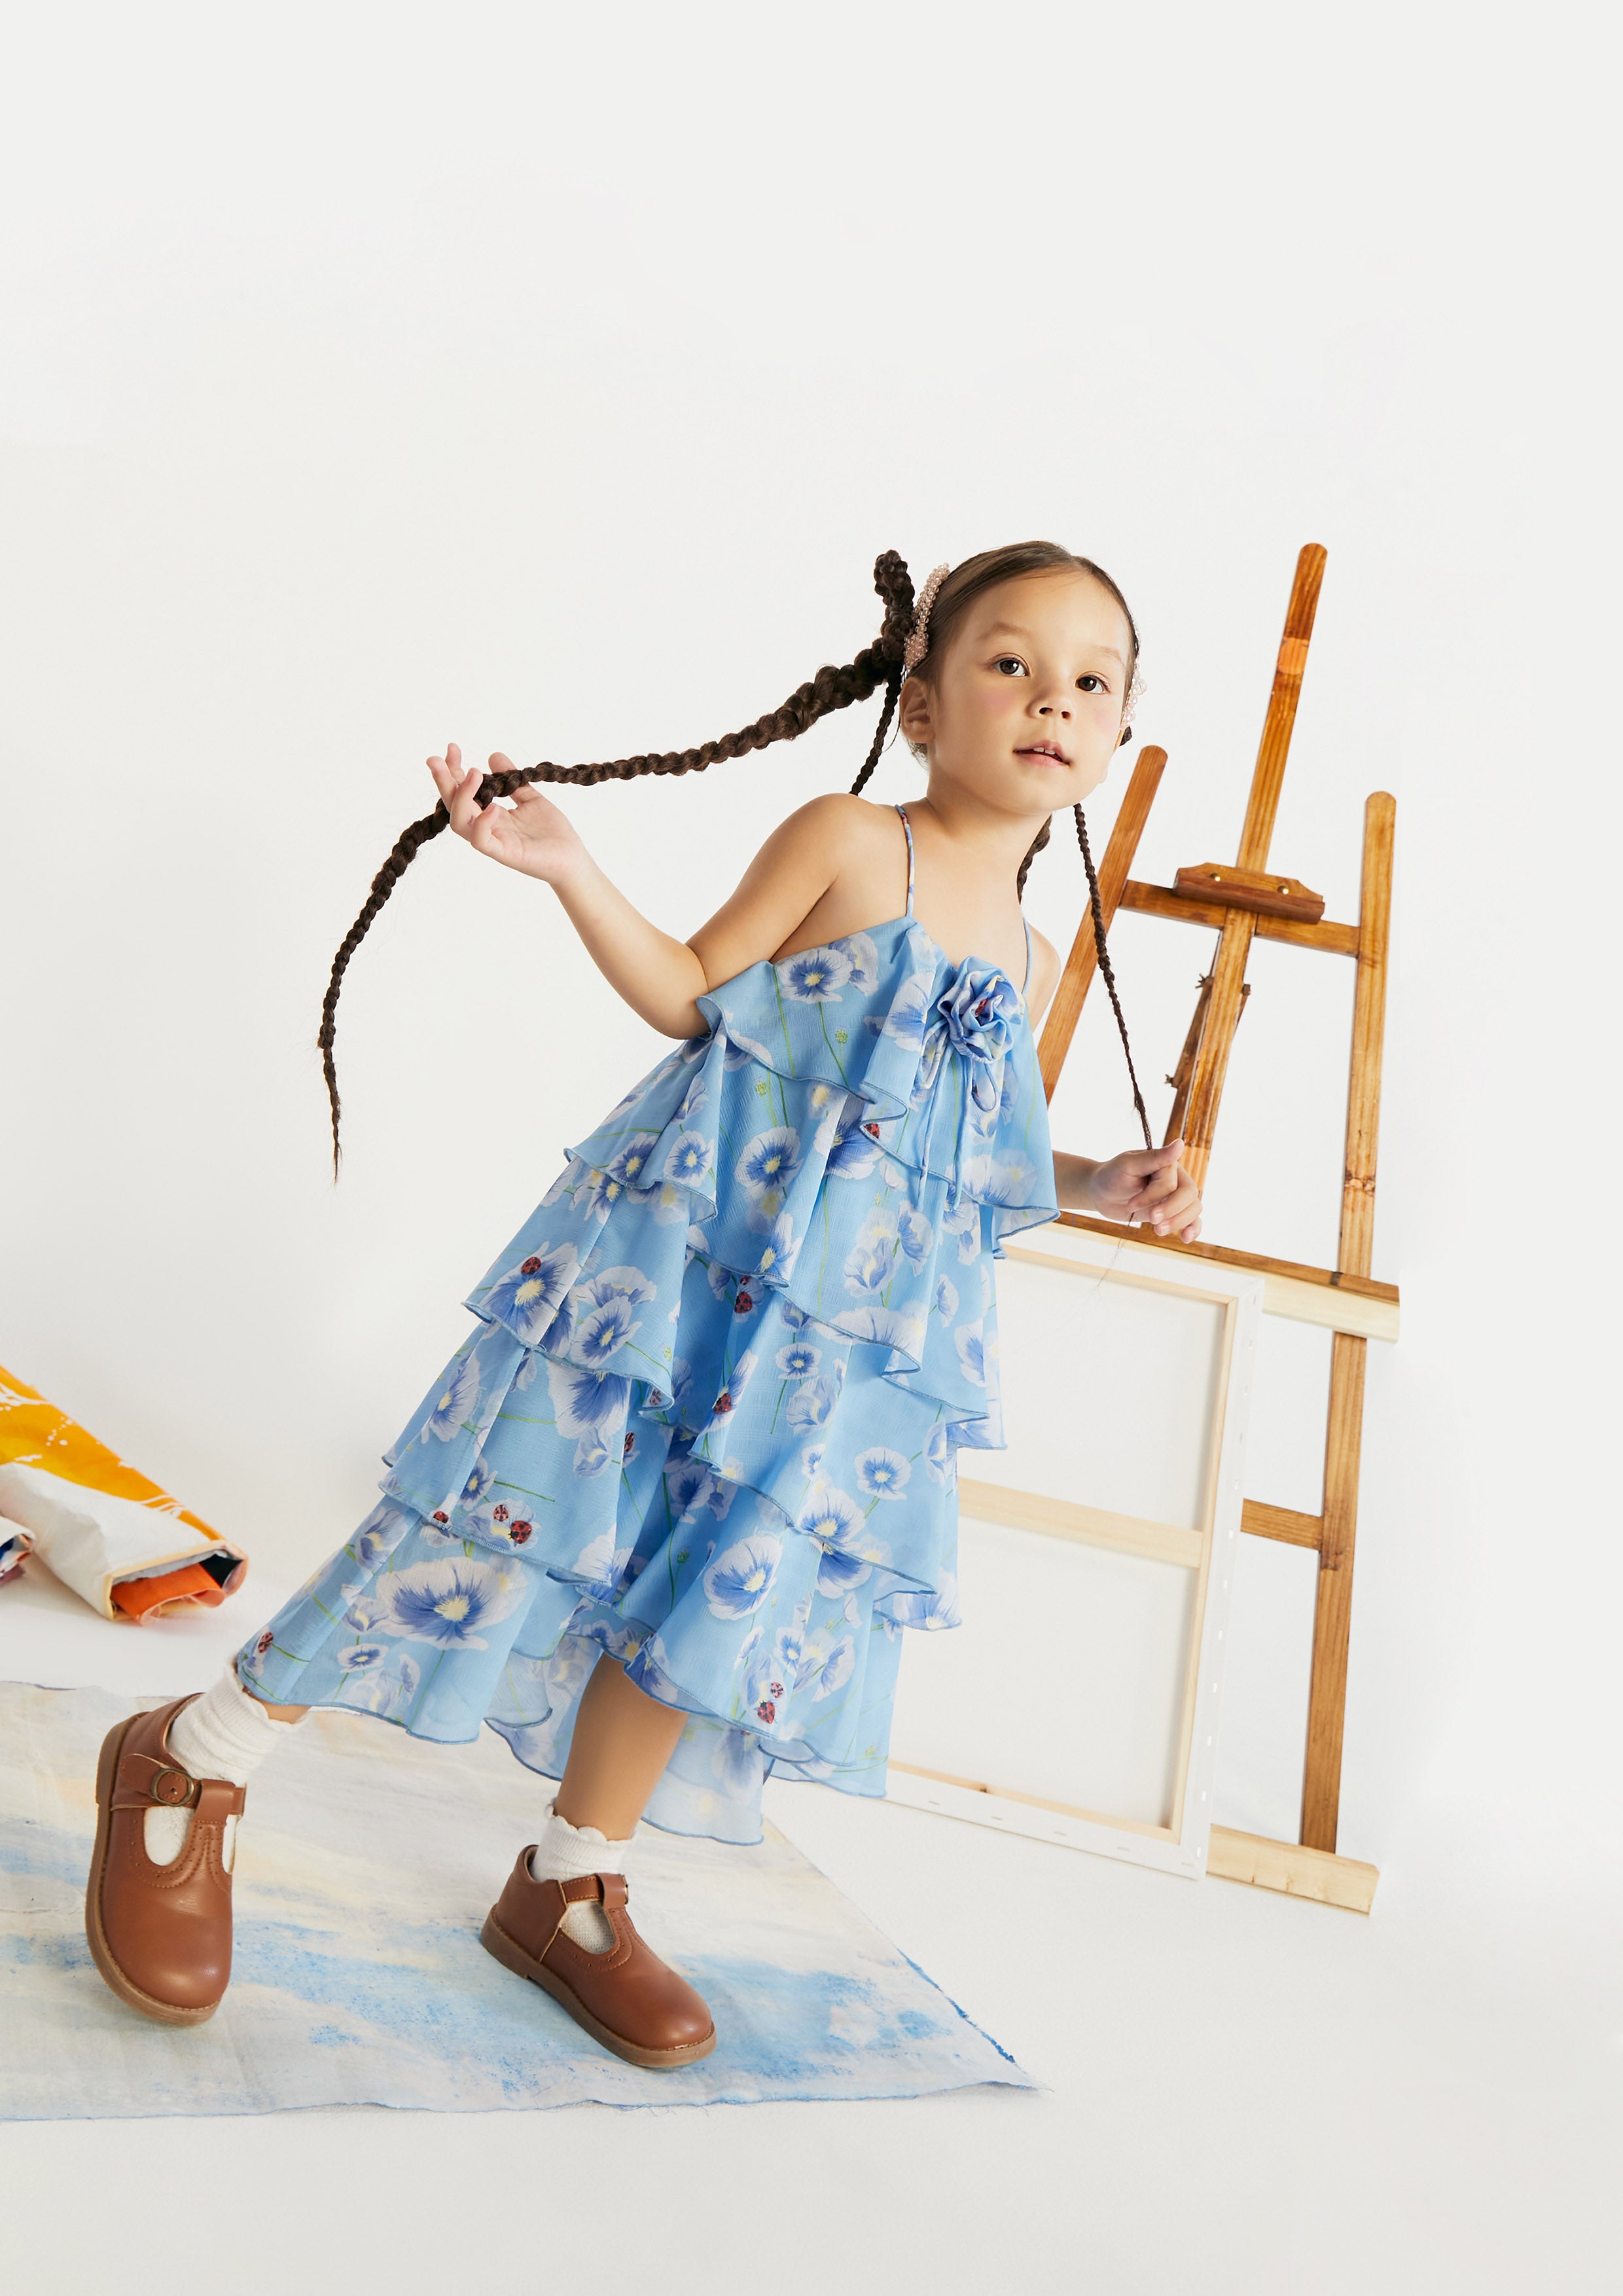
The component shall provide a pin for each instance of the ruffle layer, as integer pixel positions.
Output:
(711, 1419)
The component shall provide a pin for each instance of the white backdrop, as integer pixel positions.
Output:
(549, 381)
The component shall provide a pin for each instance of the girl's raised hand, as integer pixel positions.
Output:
(1148, 1184)
(526, 832)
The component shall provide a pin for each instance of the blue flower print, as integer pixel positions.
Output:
(362, 1616)
(864, 962)
(737, 1765)
(883, 1473)
(529, 1296)
(629, 1164)
(602, 1565)
(586, 1401)
(839, 1573)
(602, 1193)
(798, 1359)
(871, 1261)
(457, 1400)
(1003, 1179)
(689, 1161)
(837, 1669)
(691, 1484)
(592, 1454)
(379, 1536)
(679, 1386)
(719, 1279)
(603, 1332)
(915, 1234)
(970, 1340)
(963, 1221)
(893, 1327)
(939, 1609)
(794, 1319)
(389, 1689)
(816, 976)
(810, 1405)
(780, 1250)
(670, 1203)
(356, 1658)
(946, 1298)
(448, 1602)
(854, 1154)
(740, 1051)
(811, 1460)
(739, 1580)
(769, 1163)
(612, 1284)
(832, 1517)
(653, 1675)
(481, 1476)
(938, 1454)
(907, 1019)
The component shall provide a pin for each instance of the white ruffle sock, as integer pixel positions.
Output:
(566, 1852)
(224, 1733)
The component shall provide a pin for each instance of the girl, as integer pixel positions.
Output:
(661, 1518)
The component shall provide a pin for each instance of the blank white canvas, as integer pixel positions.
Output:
(1109, 1390)
(1075, 1680)
(1065, 1679)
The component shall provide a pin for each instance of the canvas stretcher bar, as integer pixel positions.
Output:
(1196, 1539)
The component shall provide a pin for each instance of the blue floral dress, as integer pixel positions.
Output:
(709, 1417)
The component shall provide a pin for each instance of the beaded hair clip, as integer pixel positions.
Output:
(918, 642)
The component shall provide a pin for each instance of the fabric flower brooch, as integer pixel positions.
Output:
(975, 1016)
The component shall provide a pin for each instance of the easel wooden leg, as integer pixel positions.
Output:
(1332, 1603)
(1343, 1438)
(1114, 870)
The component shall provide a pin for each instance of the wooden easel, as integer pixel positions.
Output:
(1240, 903)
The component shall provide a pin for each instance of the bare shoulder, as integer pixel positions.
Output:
(820, 872)
(1046, 965)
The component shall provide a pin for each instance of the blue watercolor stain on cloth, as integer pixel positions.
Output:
(366, 1865)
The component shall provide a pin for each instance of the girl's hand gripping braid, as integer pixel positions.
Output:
(658, 976)
(1147, 1186)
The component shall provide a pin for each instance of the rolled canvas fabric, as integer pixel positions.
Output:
(93, 1520)
(91, 1539)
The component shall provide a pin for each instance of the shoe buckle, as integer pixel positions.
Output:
(174, 1789)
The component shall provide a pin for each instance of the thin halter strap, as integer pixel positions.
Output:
(907, 825)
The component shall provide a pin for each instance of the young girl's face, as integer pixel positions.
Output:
(1024, 707)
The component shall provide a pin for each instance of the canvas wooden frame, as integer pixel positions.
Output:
(1208, 1550)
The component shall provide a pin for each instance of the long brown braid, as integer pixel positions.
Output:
(832, 688)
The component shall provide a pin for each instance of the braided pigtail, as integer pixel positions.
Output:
(832, 688)
(1105, 968)
(1032, 851)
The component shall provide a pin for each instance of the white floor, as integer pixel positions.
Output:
(1407, 2102)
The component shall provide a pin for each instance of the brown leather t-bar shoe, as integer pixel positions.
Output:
(627, 1998)
(161, 1935)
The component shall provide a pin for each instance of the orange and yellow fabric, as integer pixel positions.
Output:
(106, 1531)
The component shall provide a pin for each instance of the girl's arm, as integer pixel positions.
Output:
(658, 976)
